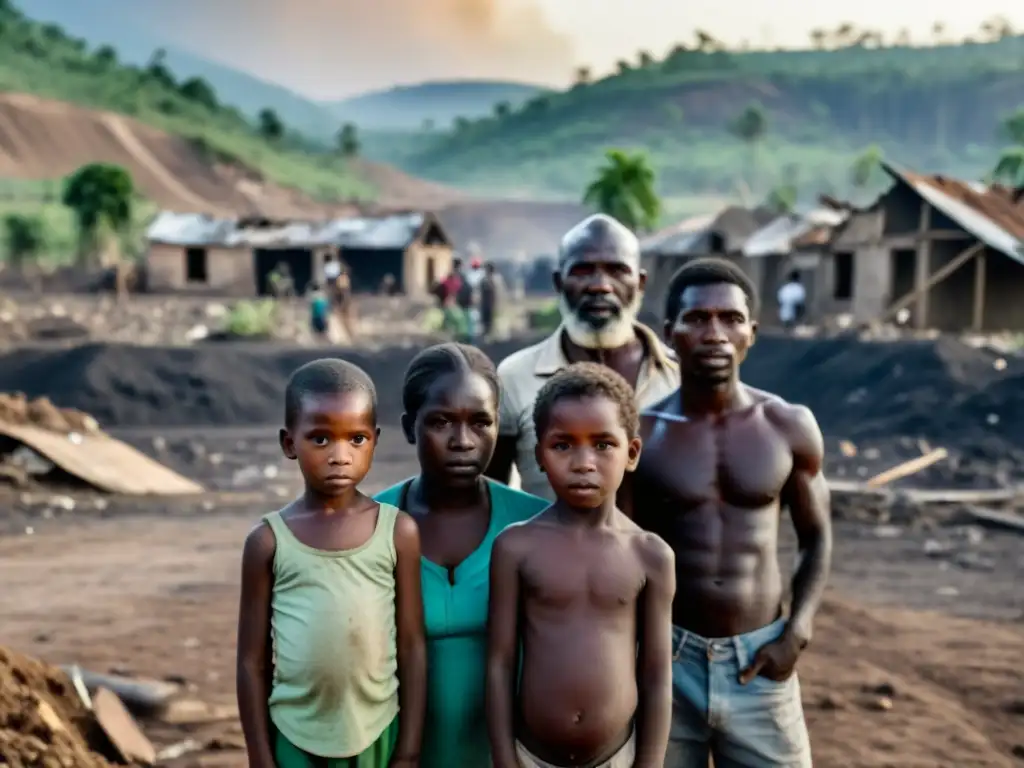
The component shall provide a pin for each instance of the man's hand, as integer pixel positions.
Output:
(776, 660)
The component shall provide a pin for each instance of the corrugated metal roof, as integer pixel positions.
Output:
(779, 236)
(385, 232)
(683, 232)
(988, 213)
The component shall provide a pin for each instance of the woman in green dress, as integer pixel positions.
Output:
(450, 397)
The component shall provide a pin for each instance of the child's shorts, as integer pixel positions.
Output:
(377, 755)
(621, 759)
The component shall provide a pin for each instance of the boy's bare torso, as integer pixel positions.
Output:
(578, 589)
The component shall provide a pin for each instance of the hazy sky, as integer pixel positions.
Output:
(332, 48)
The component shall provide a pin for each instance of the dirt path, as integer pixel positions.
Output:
(154, 592)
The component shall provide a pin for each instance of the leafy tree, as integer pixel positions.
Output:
(52, 33)
(502, 110)
(623, 66)
(866, 167)
(462, 124)
(583, 76)
(348, 140)
(625, 189)
(750, 127)
(100, 196)
(105, 57)
(156, 69)
(819, 38)
(782, 199)
(269, 125)
(198, 91)
(1010, 168)
(1012, 128)
(24, 237)
(645, 59)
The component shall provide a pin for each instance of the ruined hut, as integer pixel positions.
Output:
(722, 234)
(949, 251)
(199, 254)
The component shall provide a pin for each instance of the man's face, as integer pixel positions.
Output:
(713, 331)
(599, 286)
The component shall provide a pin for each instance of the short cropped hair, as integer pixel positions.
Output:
(587, 380)
(440, 360)
(327, 376)
(707, 271)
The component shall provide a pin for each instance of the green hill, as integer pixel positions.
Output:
(43, 60)
(439, 103)
(936, 108)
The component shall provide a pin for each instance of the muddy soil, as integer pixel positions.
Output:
(151, 588)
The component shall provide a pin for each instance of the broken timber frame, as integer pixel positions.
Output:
(924, 284)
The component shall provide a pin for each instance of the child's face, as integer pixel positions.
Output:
(585, 451)
(455, 429)
(333, 439)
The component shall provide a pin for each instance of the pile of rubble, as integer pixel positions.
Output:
(43, 720)
(16, 409)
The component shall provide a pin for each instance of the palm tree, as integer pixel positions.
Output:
(819, 37)
(347, 140)
(750, 127)
(1010, 168)
(866, 166)
(582, 76)
(845, 35)
(938, 33)
(645, 59)
(624, 189)
(1012, 127)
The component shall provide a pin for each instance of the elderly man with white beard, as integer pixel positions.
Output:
(600, 289)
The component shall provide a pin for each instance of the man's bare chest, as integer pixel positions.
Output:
(743, 462)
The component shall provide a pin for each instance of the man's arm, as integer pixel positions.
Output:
(254, 670)
(654, 670)
(502, 650)
(807, 495)
(412, 645)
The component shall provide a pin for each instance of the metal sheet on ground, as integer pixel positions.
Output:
(103, 462)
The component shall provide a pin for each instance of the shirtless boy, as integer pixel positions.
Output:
(721, 460)
(585, 594)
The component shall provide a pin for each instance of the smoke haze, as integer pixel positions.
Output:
(333, 48)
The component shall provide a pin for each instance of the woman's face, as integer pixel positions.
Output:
(456, 429)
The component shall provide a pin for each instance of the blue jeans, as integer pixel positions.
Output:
(758, 725)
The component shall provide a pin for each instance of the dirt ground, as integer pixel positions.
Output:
(151, 588)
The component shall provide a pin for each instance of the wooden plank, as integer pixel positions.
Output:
(978, 321)
(103, 462)
(991, 518)
(941, 274)
(123, 732)
(922, 268)
(931, 495)
(907, 468)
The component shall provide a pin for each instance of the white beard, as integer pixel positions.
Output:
(617, 333)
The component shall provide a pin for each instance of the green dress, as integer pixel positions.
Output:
(455, 732)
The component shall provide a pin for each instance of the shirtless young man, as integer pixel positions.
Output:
(586, 595)
(721, 460)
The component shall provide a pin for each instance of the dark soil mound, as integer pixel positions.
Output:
(943, 391)
(215, 385)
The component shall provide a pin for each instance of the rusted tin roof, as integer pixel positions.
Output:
(990, 213)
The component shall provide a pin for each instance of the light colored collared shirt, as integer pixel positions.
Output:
(522, 375)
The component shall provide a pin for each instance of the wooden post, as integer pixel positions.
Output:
(979, 293)
(922, 267)
(941, 274)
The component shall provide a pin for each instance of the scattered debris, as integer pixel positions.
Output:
(124, 733)
(908, 468)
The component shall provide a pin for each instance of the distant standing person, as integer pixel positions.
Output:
(721, 462)
(792, 301)
(450, 397)
(331, 652)
(319, 312)
(580, 651)
(492, 298)
(600, 289)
